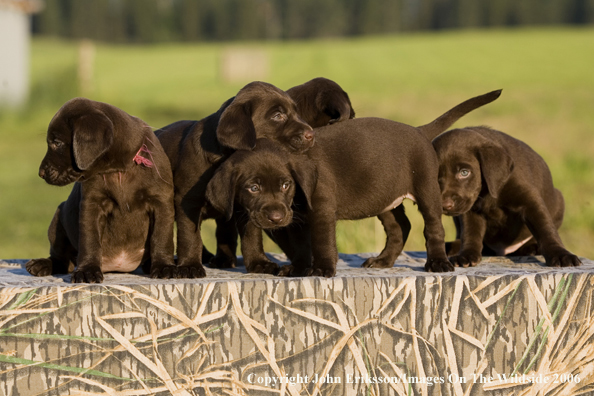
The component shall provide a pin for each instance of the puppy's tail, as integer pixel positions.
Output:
(443, 122)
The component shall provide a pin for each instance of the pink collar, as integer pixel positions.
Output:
(140, 160)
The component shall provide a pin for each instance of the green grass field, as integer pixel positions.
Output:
(548, 102)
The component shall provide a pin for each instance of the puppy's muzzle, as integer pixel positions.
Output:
(448, 204)
(272, 217)
(53, 176)
(303, 141)
(453, 205)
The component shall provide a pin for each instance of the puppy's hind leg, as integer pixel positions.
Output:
(62, 253)
(397, 227)
(428, 199)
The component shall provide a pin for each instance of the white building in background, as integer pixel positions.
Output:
(15, 35)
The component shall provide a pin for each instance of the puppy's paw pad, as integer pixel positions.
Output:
(376, 262)
(465, 260)
(223, 262)
(438, 265)
(193, 271)
(87, 275)
(163, 271)
(263, 267)
(39, 267)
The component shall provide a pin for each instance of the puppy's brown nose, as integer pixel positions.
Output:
(308, 135)
(275, 217)
(448, 204)
(42, 173)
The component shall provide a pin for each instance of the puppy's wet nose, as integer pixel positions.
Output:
(42, 173)
(308, 135)
(275, 217)
(448, 204)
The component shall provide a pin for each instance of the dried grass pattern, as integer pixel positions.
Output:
(207, 338)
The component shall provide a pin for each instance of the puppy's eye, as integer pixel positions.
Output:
(278, 116)
(463, 173)
(286, 186)
(56, 144)
(254, 188)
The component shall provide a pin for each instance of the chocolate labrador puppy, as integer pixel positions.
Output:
(119, 214)
(197, 148)
(321, 102)
(366, 167)
(257, 187)
(501, 192)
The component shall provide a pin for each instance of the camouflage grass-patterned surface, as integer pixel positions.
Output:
(424, 334)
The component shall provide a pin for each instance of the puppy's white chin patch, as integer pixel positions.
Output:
(398, 201)
(123, 262)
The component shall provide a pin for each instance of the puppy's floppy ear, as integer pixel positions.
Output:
(236, 129)
(306, 175)
(92, 137)
(220, 191)
(336, 104)
(496, 167)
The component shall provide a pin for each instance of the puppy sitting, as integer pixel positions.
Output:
(120, 211)
(258, 187)
(503, 196)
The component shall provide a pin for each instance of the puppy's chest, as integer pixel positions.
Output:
(124, 194)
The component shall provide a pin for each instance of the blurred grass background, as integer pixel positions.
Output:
(547, 101)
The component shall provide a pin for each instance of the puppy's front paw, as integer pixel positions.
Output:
(286, 270)
(222, 261)
(87, 274)
(190, 271)
(563, 260)
(262, 267)
(377, 262)
(293, 271)
(466, 259)
(438, 265)
(163, 271)
(39, 267)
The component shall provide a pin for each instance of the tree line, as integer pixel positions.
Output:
(149, 21)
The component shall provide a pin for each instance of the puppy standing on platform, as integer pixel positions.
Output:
(257, 187)
(119, 214)
(502, 194)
